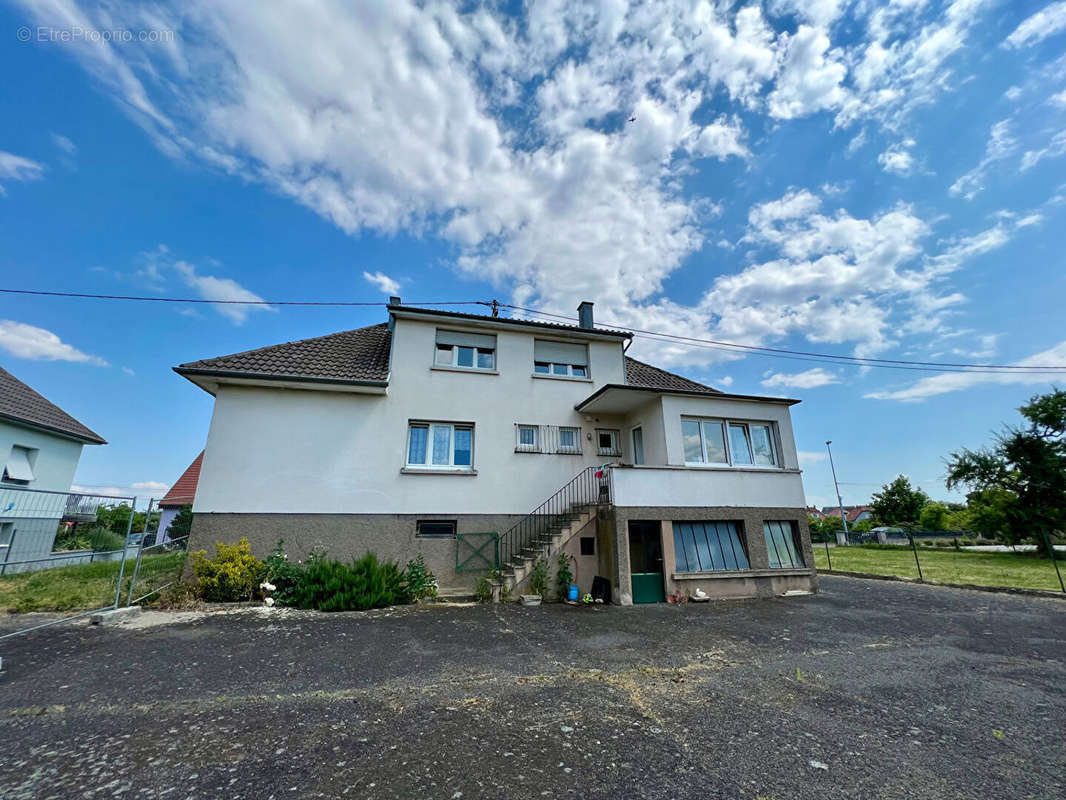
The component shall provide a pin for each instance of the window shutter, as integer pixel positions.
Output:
(560, 352)
(466, 339)
(18, 464)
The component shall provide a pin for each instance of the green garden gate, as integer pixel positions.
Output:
(477, 552)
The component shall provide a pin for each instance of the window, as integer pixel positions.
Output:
(607, 442)
(709, 547)
(569, 440)
(465, 350)
(440, 445)
(561, 359)
(638, 445)
(588, 545)
(435, 528)
(528, 438)
(748, 444)
(782, 544)
(19, 467)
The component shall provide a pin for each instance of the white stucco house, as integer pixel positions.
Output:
(40, 445)
(480, 440)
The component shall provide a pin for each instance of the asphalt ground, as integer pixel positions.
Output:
(870, 689)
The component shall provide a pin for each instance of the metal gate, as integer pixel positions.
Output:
(477, 552)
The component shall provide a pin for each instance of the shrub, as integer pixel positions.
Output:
(283, 574)
(101, 539)
(538, 577)
(233, 574)
(421, 583)
(335, 586)
(71, 538)
(483, 590)
(563, 576)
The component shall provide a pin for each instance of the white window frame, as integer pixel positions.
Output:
(560, 370)
(633, 443)
(726, 422)
(522, 447)
(453, 359)
(451, 466)
(616, 442)
(575, 449)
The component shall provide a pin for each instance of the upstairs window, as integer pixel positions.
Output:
(440, 445)
(560, 359)
(725, 442)
(465, 350)
(19, 467)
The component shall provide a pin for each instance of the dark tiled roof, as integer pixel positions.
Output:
(19, 403)
(357, 356)
(558, 326)
(183, 492)
(640, 374)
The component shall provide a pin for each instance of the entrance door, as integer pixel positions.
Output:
(646, 561)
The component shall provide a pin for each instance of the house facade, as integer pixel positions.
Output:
(479, 440)
(181, 494)
(40, 445)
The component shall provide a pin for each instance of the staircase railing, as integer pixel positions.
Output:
(590, 487)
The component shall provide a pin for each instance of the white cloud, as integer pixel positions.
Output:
(28, 341)
(1055, 147)
(1001, 143)
(725, 380)
(1049, 21)
(224, 289)
(384, 283)
(721, 139)
(129, 371)
(898, 158)
(64, 144)
(808, 457)
(1058, 99)
(810, 79)
(809, 379)
(156, 488)
(139, 489)
(821, 13)
(17, 168)
(957, 381)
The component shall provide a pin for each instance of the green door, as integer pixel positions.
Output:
(646, 561)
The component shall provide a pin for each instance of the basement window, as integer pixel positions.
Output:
(782, 544)
(709, 547)
(435, 528)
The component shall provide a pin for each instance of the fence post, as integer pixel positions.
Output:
(828, 557)
(914, 547)
(125, 544)
(1051, 555)
(140, 550)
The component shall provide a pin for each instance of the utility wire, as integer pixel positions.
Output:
(657, 336)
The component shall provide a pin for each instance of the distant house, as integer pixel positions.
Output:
(816, 513)
(182, 493)
(854, 513)
(40, 445)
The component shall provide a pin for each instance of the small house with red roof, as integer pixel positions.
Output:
(181, 494)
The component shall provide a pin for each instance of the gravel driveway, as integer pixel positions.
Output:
(870, 690)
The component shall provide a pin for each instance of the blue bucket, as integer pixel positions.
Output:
(573, 593)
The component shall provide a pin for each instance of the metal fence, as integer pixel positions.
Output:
(31, 520)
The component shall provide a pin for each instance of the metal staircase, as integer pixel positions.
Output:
(551, 524)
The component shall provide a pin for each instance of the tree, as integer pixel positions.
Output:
(1019, 483)
(824, 530)
(181, 525)
(934, 517)
(898, 503)
(987, 515)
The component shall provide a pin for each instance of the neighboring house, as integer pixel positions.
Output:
(854, 513)
(40, 445)
(433, 431)
(182, 493)
(816, 513)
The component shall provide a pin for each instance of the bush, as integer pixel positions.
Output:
(420, 582)
(538, 577)
(364, 584)
(101, 539)
(563, 576)
(232, 575)
(70, 538)
(483, 590)
(283, 574)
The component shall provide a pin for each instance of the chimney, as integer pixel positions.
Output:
(395, 301)
(584, 315)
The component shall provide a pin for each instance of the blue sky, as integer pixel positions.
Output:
(879, 180)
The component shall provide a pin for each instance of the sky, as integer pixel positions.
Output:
(882, 180)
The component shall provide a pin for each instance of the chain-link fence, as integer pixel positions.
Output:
(69, 551)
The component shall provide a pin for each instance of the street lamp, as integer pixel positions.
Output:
(840, 502)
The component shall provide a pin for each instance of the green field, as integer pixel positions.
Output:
(1020, 570)
(83, 587)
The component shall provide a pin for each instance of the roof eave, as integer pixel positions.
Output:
(716, 395)
(236, 376)
(95, 438)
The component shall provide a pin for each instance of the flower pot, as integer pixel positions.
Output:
(530, 599)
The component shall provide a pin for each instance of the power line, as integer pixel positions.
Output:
(85, 295)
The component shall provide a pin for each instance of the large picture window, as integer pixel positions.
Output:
(726, 442)
(709, 547)
(440, 445)
(782, 544)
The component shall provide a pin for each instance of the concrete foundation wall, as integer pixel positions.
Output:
(348, 536)
(759, 581)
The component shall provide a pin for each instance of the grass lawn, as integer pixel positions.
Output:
(1022, 570)
(85, 586)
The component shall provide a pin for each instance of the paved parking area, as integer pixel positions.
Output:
(869, 690)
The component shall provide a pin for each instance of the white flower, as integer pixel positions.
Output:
(269, 602)
(266, 586)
